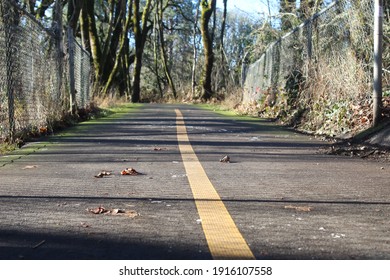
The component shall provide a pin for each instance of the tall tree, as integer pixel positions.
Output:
(208, 8)
(104, 28)
(156, 55)
(140, 29)
(120, 55)
(195, 49)
(167, 71)
(88, 14)
(74, 9)
(222, 46)
(38, 8)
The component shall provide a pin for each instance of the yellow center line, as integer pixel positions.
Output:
(223, 237)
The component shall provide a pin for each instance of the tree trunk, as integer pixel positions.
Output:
(140, 36)
(167, 72)
(96, 52)
(74, 8)
(222, 46)
(208, 7)
(118, 59)
(113, 36)
(155, 53)
(195, 50)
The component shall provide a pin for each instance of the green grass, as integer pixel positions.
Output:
(226, 112)
(5, 148)
(10, 152)
(108, 115)
(261, 124)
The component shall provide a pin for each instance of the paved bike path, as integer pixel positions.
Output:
(287, 201)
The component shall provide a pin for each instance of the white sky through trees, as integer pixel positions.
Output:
(249, 6)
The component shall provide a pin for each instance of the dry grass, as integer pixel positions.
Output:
(337, 96)
(109, 102)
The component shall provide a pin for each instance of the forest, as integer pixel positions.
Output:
(170, 49)
(192, 51)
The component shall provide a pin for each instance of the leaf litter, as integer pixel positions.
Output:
(127, 171)
(362, 150)
(130, 171)
(103, 174)
(225, 159)
(114, 212)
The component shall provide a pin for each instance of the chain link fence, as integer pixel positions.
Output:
(83, 69)
(35, 79)
(321, 71)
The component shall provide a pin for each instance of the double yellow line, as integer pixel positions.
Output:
(223, 237)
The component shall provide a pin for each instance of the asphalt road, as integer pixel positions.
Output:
(287, 200)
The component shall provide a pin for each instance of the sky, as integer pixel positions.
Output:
(249, 6)
(255, 6)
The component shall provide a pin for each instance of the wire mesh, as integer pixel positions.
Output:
(82, 75)
(7, 54)
(34, 77)
(327, 60)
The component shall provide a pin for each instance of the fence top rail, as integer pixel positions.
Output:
(309, 20)
(302, 25)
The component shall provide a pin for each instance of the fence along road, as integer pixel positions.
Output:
(36, 74)
(322, 67)
(286, 200)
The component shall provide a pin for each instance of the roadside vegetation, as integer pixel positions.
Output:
(196, 51)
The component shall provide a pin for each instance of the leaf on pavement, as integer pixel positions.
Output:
(131, 213)
(103, 173)
(114, 212)
(117, 211)
(123, 212)
(225, 159)
(99, 210)
(130, 171)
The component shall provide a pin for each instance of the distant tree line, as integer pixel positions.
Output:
(145, 49)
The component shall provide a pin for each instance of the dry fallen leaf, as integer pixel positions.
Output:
(130, 171)
(299, 208)
(103, 173)
(99, 210)
(117, 211)
(131, 213)
(123, 212)
(114, 212)
(225, 159)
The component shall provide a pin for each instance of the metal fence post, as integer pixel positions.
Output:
(57, 28)
(378, 38)
(72, 86)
